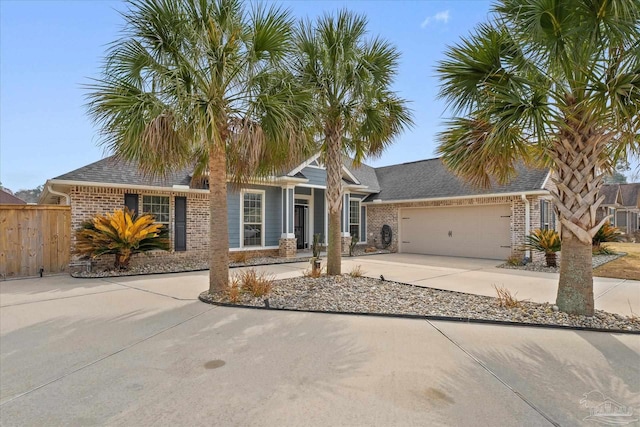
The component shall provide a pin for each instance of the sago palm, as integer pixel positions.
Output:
(557, 80)
(203, 84)
(356, 111)
(545, 241)
(122, 234)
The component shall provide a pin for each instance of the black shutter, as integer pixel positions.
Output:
(181, 224)
(131, 201)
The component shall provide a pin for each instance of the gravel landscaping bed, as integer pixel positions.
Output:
(374, 296)
(185, 266)
(597, 261)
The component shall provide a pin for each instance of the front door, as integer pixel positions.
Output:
(299, 225)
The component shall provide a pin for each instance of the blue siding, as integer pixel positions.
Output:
(363, 223)
(318, 213)
(291, 210)
(315, 176)
(272, 213)
(303, 190)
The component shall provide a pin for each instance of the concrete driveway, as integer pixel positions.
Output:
(142, 351)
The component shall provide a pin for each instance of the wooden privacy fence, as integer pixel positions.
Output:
(34, 238)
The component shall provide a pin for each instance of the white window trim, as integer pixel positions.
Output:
(141, 207)
(360, 233)
(264, 203)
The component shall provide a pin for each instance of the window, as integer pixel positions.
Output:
(547, 215)
(252, 218)
(354, 218)
(158, 206)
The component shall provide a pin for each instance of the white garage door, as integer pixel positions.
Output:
(469, 231)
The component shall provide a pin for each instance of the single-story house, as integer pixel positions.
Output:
(622, 202)
(628, 217)
(421, 206)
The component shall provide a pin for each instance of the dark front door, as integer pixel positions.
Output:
(299, 225)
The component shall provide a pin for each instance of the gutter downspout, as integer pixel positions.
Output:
(527, 222)
(57, 193)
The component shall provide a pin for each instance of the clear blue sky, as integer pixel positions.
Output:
(49, 49)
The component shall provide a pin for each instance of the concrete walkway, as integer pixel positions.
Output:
(140, 351)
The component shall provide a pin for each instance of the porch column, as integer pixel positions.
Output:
(287, 243)
(346, 235)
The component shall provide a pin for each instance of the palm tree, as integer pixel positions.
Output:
(204, 83)
(356, 111)
(552, 80)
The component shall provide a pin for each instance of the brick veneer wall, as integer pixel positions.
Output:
(381, 214)
(86, 202)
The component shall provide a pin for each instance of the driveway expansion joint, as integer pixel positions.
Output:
(495, 375)
(148, 291)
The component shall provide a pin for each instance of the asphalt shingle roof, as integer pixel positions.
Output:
(427, 179)
(116, 171)
(416, 180)
(610, 192)
(630, 194)
(9, 199)
(363, 173)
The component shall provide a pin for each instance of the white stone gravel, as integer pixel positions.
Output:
(186, 265)
(597, 261)
(367, 295)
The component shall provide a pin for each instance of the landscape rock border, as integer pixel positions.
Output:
(478, 303)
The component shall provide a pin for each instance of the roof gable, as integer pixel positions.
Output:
(611, 193)
(630, 194)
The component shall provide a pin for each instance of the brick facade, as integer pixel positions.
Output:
(287, 248)
(87, 202)
(381, 214)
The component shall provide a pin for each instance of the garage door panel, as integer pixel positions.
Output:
(475, 231)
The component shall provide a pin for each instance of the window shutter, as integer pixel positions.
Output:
(181, 224)
(543, 214)
(131, 201)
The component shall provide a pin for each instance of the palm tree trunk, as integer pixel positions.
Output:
(575, 289)
(578, 158)
(218, 229)
(333, 162)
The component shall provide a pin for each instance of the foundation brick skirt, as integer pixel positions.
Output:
(346, 242)
(288, 247)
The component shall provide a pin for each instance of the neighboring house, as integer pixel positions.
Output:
(7, 198)
(628, 216)
(611, 203)
(427, 209)
(622, 202)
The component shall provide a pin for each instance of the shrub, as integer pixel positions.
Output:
(234, 292)
(357, 271)
(257, 284)
(122, 234)
(515, 260)
(316, 247)
(352, 245)
(606, 233)
(547, 242)
(506, 298)
(240, 257)
(314, 273)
